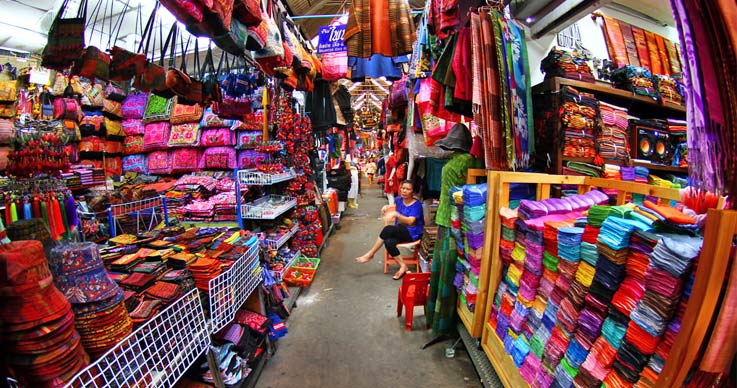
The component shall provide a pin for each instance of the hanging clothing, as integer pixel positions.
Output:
(323, 111)
(382, 27)
(441, 303)
(376, 66)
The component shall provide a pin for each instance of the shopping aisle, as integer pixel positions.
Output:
(345, 331)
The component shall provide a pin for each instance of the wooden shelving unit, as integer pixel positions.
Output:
(550, 152)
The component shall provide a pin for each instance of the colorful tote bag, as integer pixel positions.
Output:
(217, 137)
(159, 162)
(185, 160)
(158, 108)
(156, 136)
(249, 139)
(184, 135)
(135, 105)
(133, 127)
(251, 159)
(186, 114)
(218, 158)
(133, 145)
(135, 163)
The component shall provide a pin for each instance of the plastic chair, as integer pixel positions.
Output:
(412, 292)
(414, 259)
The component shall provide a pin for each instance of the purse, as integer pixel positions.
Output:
(7, 131)
(217, 137)
(65, 39)
(112, 109)
(135, 163)
(114, 93)
(92, 95)
(159, 162)
(184, 135)
(158, 108)
(114, 128)
(156, 136)
(233, 41)
(234, 108)
(91, 123)
(60, 84)
(66, 108)
(133, 145)
(133, 127)
(210, 85)
(184, 160)
(124, 65)
(247, 12)
(186, 113)
(218, 158)
(94, 64)
(134, 106)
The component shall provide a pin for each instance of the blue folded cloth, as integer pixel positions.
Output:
(475, 195)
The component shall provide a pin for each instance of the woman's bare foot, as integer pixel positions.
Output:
(364, 259)
(402, 271)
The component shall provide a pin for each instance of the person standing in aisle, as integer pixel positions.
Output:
(404, 223)
(441, 304)
(371, 170)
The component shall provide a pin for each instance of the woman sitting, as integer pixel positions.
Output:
(404, 224)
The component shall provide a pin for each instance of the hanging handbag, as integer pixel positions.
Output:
(114, 92)
(94, 64)
(65, 39)
(257, 34)
(210, 85)
(234, 40)
(124, 65)
(60, 84)
(92, 95)
(153, 77)
(47, 107)
(66, 108)
(233, 108)
(247, 12)
(186, 11)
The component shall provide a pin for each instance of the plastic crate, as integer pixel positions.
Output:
(306, 263)
(301, 277)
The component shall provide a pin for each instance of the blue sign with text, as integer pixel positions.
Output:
(331, 39)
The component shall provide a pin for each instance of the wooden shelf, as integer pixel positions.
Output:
(651, 166)
(502, 362)
(606, 89)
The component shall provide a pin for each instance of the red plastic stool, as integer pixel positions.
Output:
(412, 292)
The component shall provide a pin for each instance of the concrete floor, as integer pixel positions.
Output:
(345, 332)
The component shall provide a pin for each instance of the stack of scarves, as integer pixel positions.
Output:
(635, 79)
(559, 63)
(612, 140)
(470, 202)
(578, 116)
(670, 89)
(530, 210)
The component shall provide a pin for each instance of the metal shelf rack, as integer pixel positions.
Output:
(139, 209)
(157, 354)
(276, 244)
(268, 207)
(258, 178)
(229, 290)
(287, 265)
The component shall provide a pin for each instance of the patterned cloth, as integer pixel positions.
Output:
(453, 174)
(371, 19)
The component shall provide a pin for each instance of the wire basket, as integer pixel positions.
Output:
(268, 207)
(258, 178)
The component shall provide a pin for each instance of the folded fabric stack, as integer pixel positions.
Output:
(473, 227)
(670, 89)
(203, 270)
(580, 168)
(579, 114)
(529, 210)
(100, 315)
(197, 186)
(41, 346)
(612, 140)
(427, 244)
(507, 243)
(638, 80)
(571, 65)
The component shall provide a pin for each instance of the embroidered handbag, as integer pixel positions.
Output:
(249, 139)
(113, 147)
(212, 120)
(184, 135)
(71, 129)
(159, 162)
(114, 92)
(65, 108)
(218, 158)
(8, 111)
(133, 127)
(124, 65)
(133, 145)
(8, 90)
(233, 41)
(233, 108)
(188, 11)
(7, 131)
(153, 78)
(156, 136)
(60, 84)
(217, 137)
(135, 163)
(247, 12)
(91, 123)
(186, 113)
(112, 109)
(65, 38)
(158, 108)
(251, 159)
(134, 106)
(113, 166)
(185, 160)
(257, 34)
(94, 64)
(114, 128)
(92, 95)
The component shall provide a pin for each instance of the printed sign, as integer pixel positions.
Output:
(331, 39)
